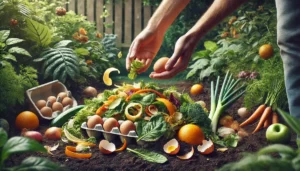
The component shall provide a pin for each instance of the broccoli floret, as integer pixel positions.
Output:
(195, 114)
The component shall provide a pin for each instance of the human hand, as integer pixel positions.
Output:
(144, 48)
(179, 61)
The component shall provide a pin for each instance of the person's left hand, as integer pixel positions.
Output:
(179, 61)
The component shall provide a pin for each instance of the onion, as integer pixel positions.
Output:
(53, 133)
(33, 135)
(224, 131)
(243, 112)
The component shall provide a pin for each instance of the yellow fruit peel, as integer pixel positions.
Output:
(106, 79)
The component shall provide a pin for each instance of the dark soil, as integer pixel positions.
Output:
(128, 161)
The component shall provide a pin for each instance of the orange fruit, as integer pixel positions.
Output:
(27, 120)
(266, 51)
(196, 89)
(191, 134)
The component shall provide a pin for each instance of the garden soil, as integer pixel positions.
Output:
(128, 161)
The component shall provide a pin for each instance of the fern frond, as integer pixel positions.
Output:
(60, 63)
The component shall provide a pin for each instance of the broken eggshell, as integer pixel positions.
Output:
(187, 155)
(207, 147)
(172, 147)
(106, 147)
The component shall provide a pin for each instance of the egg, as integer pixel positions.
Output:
(109, 124)
(126, 127)
(207, 147)
(46, 111)
(57, 107)
(159, 65)
(40, 104)
(106, 147)
(62, 95)
(93, 121)
(51, 99)
(67, 101)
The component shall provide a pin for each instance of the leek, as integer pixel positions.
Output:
(229, 93)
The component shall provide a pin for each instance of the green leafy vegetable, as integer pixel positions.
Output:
(194, 113)
(3, 137)
(153, 129)
(134, 68)
(149, 155)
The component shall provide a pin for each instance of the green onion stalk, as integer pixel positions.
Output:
(228, 95)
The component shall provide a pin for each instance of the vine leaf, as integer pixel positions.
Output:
(38, 32)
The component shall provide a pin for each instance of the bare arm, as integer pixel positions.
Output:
(186, 44)
(146, 45)
(166, 13)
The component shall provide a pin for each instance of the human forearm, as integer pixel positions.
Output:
(219, 10)
(166, 13)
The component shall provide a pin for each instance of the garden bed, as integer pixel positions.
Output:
(128, 161)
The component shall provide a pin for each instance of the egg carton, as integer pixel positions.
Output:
(99, 133)
(42, 92)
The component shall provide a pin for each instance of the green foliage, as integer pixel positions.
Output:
(11, 91)
(16, 145)
(59, 62)
(7, 50)
(38, 33)
(153, 129)
(209, 62)
(194, 113)
(288, 159)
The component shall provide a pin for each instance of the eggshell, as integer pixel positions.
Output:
(106, 148)
(127, 126)
(172, 147)
(40, 104)
(187, 155)
(46, 111)
(109, 124)
(93, 121)
(57, 107)
(67, 101)
(207, 147)
(159, 65)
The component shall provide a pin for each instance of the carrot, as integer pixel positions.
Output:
(145, 91)
(268, 122)
(100, 111)
(275, 118)
(258, 112)
(267, 112)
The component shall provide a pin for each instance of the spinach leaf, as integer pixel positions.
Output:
(19, 145)
(153, 129)
(37, 164)
(149, 155)
(148, 99)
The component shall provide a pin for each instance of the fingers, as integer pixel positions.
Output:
(132, 53)
(179, 67)
(147, 62)
(173, 60)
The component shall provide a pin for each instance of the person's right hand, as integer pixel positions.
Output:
(144, 48)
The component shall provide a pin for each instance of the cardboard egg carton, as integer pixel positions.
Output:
(99, 133)
(43, 92)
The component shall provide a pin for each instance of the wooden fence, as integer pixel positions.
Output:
(126, 18)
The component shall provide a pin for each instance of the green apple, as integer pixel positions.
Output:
(278, 133)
